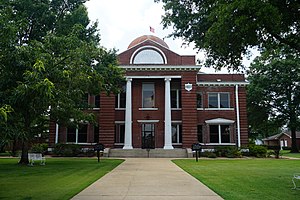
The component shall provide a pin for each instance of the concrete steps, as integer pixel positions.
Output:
(143, 153)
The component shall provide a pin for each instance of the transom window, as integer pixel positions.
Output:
(148, 95)
(218, 100)
(219, 134)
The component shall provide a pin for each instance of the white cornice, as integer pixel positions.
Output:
(152, 77)
(229, 83)
(160, 67)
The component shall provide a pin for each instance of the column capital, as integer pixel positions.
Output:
(167, 79)
(129, 79)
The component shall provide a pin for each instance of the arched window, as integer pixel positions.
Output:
(148, 56)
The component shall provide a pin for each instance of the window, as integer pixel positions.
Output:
(219, 134)
(82, 133)
(121, 99)
(148, 95)
(175, 98)
(175, 95)
(200, 133)
(97, 101)
(77, 135)
(148, 56)
(214, 133)
(225, 134)
(176, 133)
(224, 100)
(119, 133)
(199, 100)
(96, 134)
(218, 100)
(71, 134)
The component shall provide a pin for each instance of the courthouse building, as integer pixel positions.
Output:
(167, 103)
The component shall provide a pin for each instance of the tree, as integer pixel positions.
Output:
(227, 29)
(275, 87)
(49, 60)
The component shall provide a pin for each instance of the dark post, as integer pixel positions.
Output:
(197, 148)
(98, 147)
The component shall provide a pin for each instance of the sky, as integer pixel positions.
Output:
(121, 21)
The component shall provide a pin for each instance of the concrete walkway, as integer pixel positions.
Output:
(147, 179)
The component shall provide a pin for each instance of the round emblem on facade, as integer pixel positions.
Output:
(188, 86)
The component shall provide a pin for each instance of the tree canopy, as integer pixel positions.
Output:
(227, 29)
(50, 58)
(274, 91)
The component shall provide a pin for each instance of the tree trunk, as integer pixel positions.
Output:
(294, 141)
(24, 156)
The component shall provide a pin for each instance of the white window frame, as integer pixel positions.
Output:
(153, 106)
(76, 135)
(119, 123)
(177, 124)
(219, 101)
(118, 96)
(220, 134)
(178, 107)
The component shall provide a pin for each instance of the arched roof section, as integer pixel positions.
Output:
(143, 38)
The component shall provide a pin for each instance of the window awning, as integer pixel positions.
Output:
(219, 121)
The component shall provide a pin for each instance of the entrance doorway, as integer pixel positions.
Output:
(148, 139)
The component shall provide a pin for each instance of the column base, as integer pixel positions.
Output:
(168, 147)
(127, 147)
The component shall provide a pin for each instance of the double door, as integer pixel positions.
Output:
(148, 136)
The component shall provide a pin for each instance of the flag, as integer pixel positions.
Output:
(151, 29)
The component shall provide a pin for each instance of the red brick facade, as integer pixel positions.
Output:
(186, 118)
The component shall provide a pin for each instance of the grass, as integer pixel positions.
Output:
(246, 179)
(60, 178)
(288, 154)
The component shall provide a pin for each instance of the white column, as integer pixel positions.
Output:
(128, 117)
(56, 134)
(168, 126)
(237, 115)
(76, 135)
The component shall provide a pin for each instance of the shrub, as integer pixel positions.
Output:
(228, 151)
(276, 150)
(258, 151)
(286, 148)
(39, 148)
(211, 155)
(67, 150)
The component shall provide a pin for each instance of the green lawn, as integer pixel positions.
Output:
(246, 179)
(288, 154)
(60, 178)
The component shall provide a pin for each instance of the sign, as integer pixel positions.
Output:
(197, 148)
(99, 147)
(188, 87)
